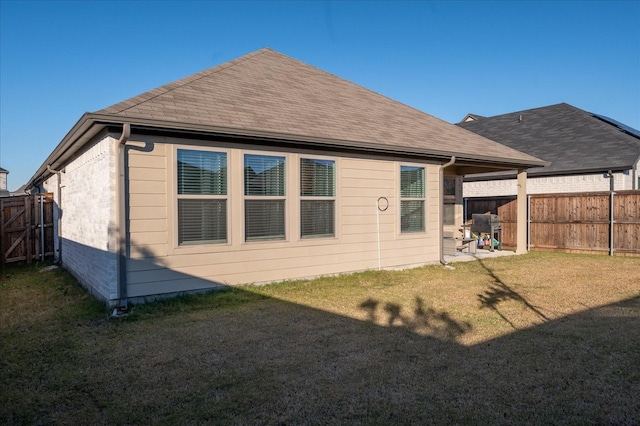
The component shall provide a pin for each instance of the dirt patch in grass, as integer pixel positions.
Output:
(541, 338)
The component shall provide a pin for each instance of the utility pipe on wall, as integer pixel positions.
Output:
(440, 228)
(122, 223)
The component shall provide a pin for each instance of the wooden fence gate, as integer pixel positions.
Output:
(26, 228)
(580, 222)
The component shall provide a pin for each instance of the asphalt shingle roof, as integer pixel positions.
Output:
(572, 140)
(268, 92)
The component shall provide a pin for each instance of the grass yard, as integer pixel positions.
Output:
(539, 338)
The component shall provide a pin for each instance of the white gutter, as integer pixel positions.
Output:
(440, 228)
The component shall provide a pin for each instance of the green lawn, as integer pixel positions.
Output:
(539, 338)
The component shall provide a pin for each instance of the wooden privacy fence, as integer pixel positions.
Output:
(26, 228)
(581, 222)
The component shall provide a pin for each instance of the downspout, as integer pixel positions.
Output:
(440, 228)
(122, 225)
(58, 174)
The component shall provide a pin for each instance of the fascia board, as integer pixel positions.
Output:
(83, 130)
(440, 155)
(92, 123)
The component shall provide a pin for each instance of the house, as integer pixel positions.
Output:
(257, 170)
(588, 152)
(3, 183)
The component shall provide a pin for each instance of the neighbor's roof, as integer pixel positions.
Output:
(573, 140)
(269, 95)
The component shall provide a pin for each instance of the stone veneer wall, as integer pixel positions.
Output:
(89, 212)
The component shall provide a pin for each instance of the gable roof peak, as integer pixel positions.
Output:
(268, 94)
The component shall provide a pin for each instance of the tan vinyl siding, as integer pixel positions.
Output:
(159, 265)
(147, 199)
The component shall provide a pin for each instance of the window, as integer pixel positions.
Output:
(202, 197)
(449, 208)
(412, 199)
(264, 191)
(317, 192)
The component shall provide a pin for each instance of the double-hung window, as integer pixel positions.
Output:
(202, 197)
(412, 197)
(317, 197)
(449, 199)
(264, 197)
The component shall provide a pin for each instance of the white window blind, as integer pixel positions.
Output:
(412, 194)
(317, 192)
(265, 196)
(202, 196)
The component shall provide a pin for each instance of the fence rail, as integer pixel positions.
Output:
(584, 222)
(26, 228)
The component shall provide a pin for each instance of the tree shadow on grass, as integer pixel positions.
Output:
(434, 323)
(499, 292)
(269, 361)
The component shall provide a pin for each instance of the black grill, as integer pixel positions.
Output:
(488, 224)
(485, 223)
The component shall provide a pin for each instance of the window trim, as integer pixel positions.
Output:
(285, 197)
(302, 198)
(176, 197)
(422, 199)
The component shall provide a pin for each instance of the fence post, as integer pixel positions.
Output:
(2, 234)
(27, 229)
(611, 222)
(528, 222)
(42, 227)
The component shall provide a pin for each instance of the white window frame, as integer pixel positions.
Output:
(404, 199)
(283, 198)
(304, 198)
(178, 197)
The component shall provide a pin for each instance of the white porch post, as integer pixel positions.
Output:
(521, 234)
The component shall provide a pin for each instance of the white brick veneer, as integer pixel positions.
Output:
(548, 185)
(88, 218)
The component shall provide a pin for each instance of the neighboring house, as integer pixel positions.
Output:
(3, 183)
(587, 151)
(20, 191)
(257, 170)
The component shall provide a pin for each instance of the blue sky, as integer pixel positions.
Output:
(59, 59)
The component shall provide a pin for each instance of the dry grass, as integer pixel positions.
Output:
(541, 338)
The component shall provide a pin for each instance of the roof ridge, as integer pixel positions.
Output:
(357, 85)
(164, 89)
(535, 109)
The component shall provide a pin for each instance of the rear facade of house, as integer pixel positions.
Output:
(258, 170)
(317, 213)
